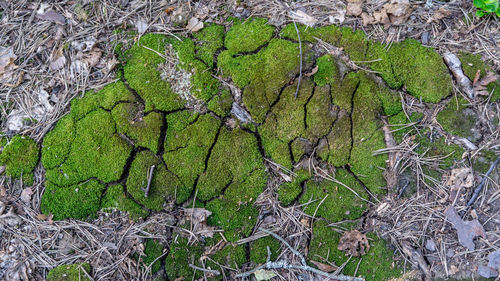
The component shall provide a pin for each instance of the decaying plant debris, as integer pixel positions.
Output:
(77, 59)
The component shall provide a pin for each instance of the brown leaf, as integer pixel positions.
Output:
(92, 58)
(41, 217)
(480, 86)
(7, 66)
(382, 17)
(439, 14)
(476, 77)
(398, 11)
(194, 25)
(458, 179)
(3, 192)
(53, 17)
(26, 195)
(354, 243)
(325, 267)
(466, 230)
(354, 7)
(367, 19)
(313, 71)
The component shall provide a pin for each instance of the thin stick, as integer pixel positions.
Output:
(216, 272)
(150, 178)
(282, 264)
(300, 65)
(483, 181)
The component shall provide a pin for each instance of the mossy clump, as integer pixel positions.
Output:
(401, 126)
(262, 75)
(336, 149)
(70, 272)
(182, 254)
(377, 264)
(152, 251)
(333, 201)
(330, 33)
(79, 201)
(208, 41)
(258, 249)
(421, 70)
(248, 35)
(231, 256)
(434, 146)
(288, 192)
(115, 198)
(380, 61)
(95, 150)
(354, 43)
(458, 119)
(142, 75)
(20, 157)
(164, 185)
(221, 103)
(142, 129)
(328, 72)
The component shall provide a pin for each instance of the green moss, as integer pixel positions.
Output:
(421, 70)
(379, 60)
(248, 35)
(57, 143)
(79, 201)
(96, 151)
(182, 254)
(328, 72)
(367, 136)
(152, 250)
(457, 119)
(209, 40)
(70, 272)
(115, 198)
(285, 123)
(142, 75)
(320, 114)
(330, 34)
(106, 98)
(471, 63)
(221, 104)
(20, 156)
(343, 92)
(354, 44)
(340, 203)
(289, 191)
(391, 101)
(262, 75)
(337, 148)
(188, 140)
(231, 256)
(483, 160)
(377, 264)
(235, 156)
(164, 184)
(258, 249)
(400, 125)
(142, 129)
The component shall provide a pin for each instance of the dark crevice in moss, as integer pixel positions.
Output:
(133, 91)
(307, 101)
(259, 141)
(252, 52)
(350, 119)
(290, 151)
(367, 190)
(162, 137)
(301, 194)
(212, 147)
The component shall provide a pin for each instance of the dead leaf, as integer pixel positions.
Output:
(313, 71)
(57, 60)
(141, 26)
(480, 86)
(41, 217)
(197, 215)
(354, 7)
(303, 18)
(441, 13)
(7, 66)
(466, 230)
(459, 178)
(92, 58)
(3, 192)
(194, 25)
(382, 17)
(367, 19)
(354, 243)
(325, 267)
(398, 11)
(26, 195)
(52, 16)
(494, 260)
(476, 77)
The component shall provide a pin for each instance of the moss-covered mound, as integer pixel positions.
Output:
(71, 272)
(138, 146)
(20, 156)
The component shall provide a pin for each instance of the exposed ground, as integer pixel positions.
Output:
(190, 141)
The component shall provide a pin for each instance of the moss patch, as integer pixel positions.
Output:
(115, 198)
(248, 35)
(152, 251)
(180, 256)
(458, 119)
(20, 157)
(377, 264)
(71, 272)
(258, 249)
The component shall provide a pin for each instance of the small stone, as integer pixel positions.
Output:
(425, 38)
(430, 245)
(450, 253)
(486, 272)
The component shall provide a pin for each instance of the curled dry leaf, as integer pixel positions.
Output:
(7, 66)
(26, 195)
(57, 60)
(354, 7)
(325, 267)
(354, 243)
(398, 11)
(194, 25)
(367, 19)
(480, 85)
(466, 230)
(441, 13)
(459, 178)
(313, 71)
(303, 18)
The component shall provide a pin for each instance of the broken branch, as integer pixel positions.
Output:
(300, 56)
(479, 188)
(150, 178)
